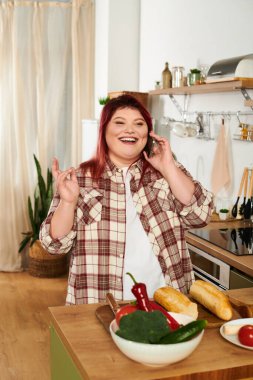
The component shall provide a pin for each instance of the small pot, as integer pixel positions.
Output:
(193, 78)
(223, 215)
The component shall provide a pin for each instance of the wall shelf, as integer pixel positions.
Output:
(228, 86)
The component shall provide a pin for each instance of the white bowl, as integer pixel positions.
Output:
(156, 355)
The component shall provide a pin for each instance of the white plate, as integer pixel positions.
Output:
(233, 338)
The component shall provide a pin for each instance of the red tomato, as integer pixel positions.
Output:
(124, 310)
(245, 335)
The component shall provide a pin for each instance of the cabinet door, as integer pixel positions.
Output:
(62, 366)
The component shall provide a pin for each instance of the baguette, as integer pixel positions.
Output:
(212, 299)
(175, 301)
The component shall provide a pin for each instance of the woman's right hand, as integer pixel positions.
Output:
(66, 183)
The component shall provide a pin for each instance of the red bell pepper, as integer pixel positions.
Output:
(139, 290)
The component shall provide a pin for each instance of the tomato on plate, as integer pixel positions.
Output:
(245, 335)
(124, 310)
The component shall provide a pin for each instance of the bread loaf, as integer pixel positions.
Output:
(175, 301)
(212, 298)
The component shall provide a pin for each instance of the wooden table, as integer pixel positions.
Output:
(82, 349)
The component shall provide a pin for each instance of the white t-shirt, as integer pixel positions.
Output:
(139, 260)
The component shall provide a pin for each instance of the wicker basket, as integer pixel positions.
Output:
(141, 96)
(42, 264)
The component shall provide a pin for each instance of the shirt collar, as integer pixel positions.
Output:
(135, 168)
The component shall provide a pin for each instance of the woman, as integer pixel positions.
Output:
(123, 211)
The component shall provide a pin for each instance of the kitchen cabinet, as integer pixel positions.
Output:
(62, 365)
(81, 348)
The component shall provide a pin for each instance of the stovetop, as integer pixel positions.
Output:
(238, 241)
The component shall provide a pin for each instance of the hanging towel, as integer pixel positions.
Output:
(221, 169)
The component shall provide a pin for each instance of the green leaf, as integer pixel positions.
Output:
(42, 198)
(30, 211)
(33, 240)
(103, 101)
(23, 243)
(41, 182)
(195, 71)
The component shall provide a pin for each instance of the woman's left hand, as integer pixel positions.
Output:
(162, 156)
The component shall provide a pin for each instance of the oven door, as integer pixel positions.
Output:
(209, 268)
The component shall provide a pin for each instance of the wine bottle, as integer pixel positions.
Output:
(166, 76)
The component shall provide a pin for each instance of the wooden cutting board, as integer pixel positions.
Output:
(242, 301)
(105, 316)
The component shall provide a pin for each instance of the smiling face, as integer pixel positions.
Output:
(126, 136)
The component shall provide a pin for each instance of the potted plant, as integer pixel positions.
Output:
(223, 213)
(41, 263)
(194, 77)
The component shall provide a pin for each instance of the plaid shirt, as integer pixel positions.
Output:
(97, 238)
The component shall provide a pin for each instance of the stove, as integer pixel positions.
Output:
(238, 241)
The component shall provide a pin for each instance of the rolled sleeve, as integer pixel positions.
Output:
(55, 246)
(198, 211)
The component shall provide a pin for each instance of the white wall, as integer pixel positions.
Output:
(185, 33)
(117, 47)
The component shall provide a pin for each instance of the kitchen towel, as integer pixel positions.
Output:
(221, 177)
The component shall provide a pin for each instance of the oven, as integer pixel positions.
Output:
(210, 269)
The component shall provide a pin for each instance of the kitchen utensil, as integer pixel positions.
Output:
(234, 209)
(247, 208)
(112, 303)
(242, 207)
(179, 129)
(251, 199)
(233, 237)
(106, 313)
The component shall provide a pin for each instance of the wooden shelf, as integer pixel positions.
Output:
(235, 85)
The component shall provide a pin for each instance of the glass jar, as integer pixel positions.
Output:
(177, 76)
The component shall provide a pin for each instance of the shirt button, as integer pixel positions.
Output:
(122, 185)
(121, 255)
(118, 280)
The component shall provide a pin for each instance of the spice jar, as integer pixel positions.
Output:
(177, 76)
(244, 131)
(250, 133)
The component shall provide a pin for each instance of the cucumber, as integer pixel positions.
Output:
(184, 333)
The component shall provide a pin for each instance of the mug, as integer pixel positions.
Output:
(180, 130)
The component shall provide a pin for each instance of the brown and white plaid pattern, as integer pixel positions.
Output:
(97, 239)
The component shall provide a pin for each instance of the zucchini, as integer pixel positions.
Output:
(184, 333)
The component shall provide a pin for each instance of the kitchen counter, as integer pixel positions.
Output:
(242, 263)
(81, 348)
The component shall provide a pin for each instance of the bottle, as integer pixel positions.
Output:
(244, 131)
(166, 77)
